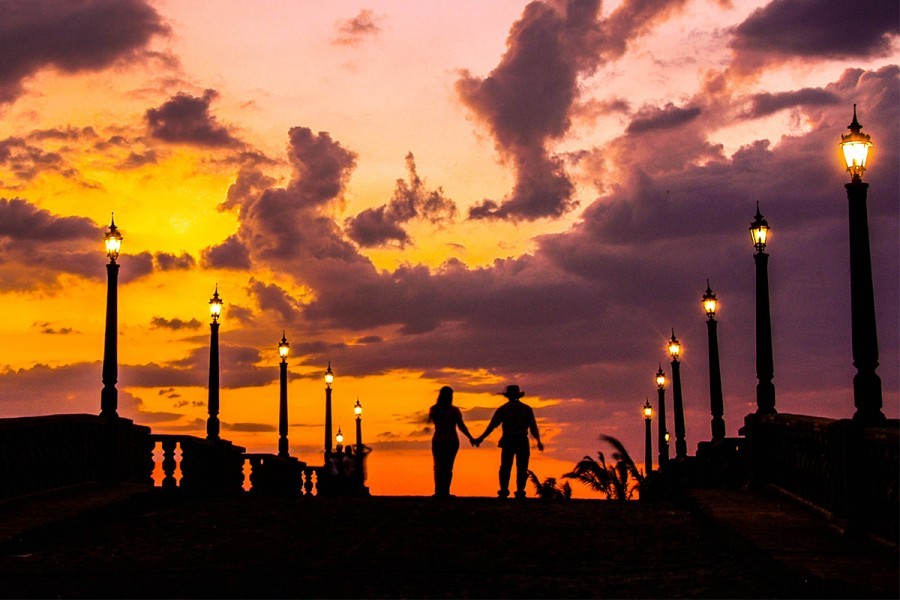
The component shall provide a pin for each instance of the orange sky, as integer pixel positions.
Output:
(325, 165)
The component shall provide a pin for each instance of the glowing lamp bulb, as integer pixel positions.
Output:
(283, 347)
(674, 347)
(357, 408)
(113, 241)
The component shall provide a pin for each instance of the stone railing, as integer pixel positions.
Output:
(196, 464)
(39, 453)
(843, 468)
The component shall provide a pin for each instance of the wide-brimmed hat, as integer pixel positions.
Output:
(512, 392)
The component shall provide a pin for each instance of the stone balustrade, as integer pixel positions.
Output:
(39, 453)
(848, 470)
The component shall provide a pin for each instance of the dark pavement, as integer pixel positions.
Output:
(95, 541)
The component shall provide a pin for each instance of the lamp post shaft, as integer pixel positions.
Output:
(680, 443)
(328, 436)
(648, 450)
(358, 434)
(109, 396)
(716, 402)
(765, 389)
(283, 413)
(661, 427)
(212, 423)
(866, 383)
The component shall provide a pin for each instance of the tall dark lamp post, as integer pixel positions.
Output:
(663, 435)
(283, 349)
(680, 443)
(866, 383)
(329, 379)
(212, 423)
(109, 396)
(765, 369)
(648, 450)
(357, 410)
(716, 403)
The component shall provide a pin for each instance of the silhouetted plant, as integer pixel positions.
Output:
(616, 482)
(548, 489)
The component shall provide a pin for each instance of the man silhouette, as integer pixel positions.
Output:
(517, 419)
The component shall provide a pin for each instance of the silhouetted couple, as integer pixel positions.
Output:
(516, 420)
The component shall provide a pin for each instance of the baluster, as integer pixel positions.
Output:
(168, 464)
(308, 481)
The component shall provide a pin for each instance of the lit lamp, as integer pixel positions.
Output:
(283, 349)
(357, 410)
(329, 379)
(109, 396)
(674, 348)
(215, 310)
(339, 438)
(716, 402)
(866, 383)
(662, 437)
(765, 366)
(648, 451)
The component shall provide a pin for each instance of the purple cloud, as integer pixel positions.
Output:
(410, 200)
(650, 118)
(185, 119)
(174, 324)
(352, 32)
(71, 37)
(785, 30)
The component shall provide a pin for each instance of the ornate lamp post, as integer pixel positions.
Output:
(329, 379)
(357, 410)
(339, 438)
(212, 423)
(109, 396)
(283, 349)
(680, 443)
(716, 403)
(648, 451)
(866, 383)
(663, 437)
(765, 370)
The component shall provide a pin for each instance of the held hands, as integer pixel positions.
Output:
(476, 441)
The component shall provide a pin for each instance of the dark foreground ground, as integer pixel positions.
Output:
(128, 543)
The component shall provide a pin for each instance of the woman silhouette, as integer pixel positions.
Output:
(445, 442)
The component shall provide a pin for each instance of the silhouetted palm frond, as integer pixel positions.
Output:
(614, 481)
(549, 490)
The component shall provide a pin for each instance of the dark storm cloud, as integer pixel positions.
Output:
(667, 117)
(321, 166)
(27, 161)
(186, 119)
(354, 31)
(172, 262)
(765, 103)
(72, 36)
(529, 99)
(24, 222)
(237, 366)
(174, 324)
(410, 200)
(230, 254)
(136, 160)
(785, 30)
(270, 297)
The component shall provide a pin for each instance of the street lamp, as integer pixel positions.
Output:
(663, 436)
(866, 383)
(648, 451)
(283, 348)
(109, 396)
(339, 438)
(329, 379)
(765, 369)
(357, 410)
(716, 403)
(674, 347)
(215, 309)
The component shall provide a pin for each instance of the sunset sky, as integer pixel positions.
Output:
(439, 193)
